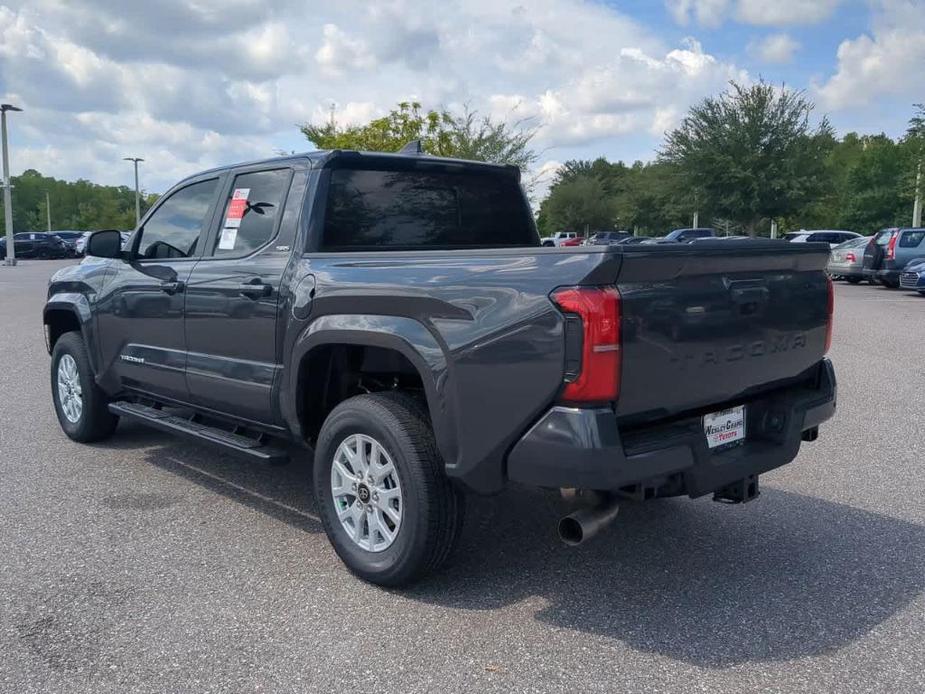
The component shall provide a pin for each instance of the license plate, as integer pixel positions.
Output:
(725, 427)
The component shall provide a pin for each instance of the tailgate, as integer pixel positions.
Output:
(714, 322)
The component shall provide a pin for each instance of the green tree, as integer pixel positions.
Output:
(78, 205)
(578, 204)
(466, 135)
(750, 153)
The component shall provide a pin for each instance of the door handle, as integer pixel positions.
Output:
(172, 287)
(255, 289)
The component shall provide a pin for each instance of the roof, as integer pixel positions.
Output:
(324, 156)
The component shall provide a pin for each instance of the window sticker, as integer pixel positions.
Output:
(237, 207)
(227, 239)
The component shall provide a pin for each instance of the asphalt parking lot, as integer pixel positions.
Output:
(154, 565)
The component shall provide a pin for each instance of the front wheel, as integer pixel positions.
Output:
(81, 406)
(384, 500)
(854, 280)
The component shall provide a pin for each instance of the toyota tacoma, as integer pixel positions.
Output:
(397, 314)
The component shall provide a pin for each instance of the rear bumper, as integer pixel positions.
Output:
(891, 276)
(584, 448)
(845, 270)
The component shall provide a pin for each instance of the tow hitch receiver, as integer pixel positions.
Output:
(738, 492)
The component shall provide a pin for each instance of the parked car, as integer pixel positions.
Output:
(889, 251)
(424, 344)
(631, 240)
(913, 276)
(847, 260)
(559, 238)
(80, 244)
(833, 237)
(572, 242)
(607, 238)
(687, 235)
(35, 245)
(70, 238)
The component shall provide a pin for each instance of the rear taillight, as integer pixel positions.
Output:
(597, 376)
(850, 258)
(831, 316)
(891, 247)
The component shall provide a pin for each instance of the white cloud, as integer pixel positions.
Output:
(887, 62)
(339, 53)
(189, 85)
(775, 49)
(712, 13)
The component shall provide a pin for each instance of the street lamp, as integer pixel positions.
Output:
(7, 186)
(137, 194)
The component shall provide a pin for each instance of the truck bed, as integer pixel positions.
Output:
(702, 325)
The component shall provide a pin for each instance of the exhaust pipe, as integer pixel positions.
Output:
(585, 523)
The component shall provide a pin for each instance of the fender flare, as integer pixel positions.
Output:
(407, 336)
(79, 306)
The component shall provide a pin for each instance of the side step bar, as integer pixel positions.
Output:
(184, 422)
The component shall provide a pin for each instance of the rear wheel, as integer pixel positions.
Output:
(81, 406)
(853, 280)
(384, 500)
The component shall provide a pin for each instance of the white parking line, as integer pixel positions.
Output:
(244, 490)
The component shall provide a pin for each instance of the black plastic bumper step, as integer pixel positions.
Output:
(174, 421)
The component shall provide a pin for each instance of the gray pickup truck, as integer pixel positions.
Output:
(398, 315)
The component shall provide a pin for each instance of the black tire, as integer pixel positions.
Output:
(853, 280)
(432, 509)
(95, 422)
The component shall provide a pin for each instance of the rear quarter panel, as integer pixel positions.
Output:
(490, 314)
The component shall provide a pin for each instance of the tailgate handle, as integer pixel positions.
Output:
(749, 295)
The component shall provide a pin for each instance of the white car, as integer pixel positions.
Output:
(558, 238)
(833, 237)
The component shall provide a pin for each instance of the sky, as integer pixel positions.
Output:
(192, 84)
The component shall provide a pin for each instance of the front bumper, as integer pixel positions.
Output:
(912, 280)
(584, 448)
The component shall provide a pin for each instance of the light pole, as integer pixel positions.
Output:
(7, 186)
(137, 194)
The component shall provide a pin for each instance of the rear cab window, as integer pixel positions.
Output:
(425, 208)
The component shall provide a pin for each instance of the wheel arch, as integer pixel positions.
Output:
(405, 337)
(65, 313)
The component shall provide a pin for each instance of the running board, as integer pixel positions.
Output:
(175, 421)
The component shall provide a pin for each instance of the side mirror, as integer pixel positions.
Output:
(105, 244)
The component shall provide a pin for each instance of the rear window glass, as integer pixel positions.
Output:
(883, 238)
(911, 239)
(422, 209)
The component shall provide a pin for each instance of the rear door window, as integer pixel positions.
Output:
(252, 211)
(419, 209)
(911, 239)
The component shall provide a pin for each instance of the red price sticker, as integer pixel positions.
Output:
(237, 207)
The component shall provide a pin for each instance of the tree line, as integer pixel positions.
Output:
(740, 159)
(75, 205)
